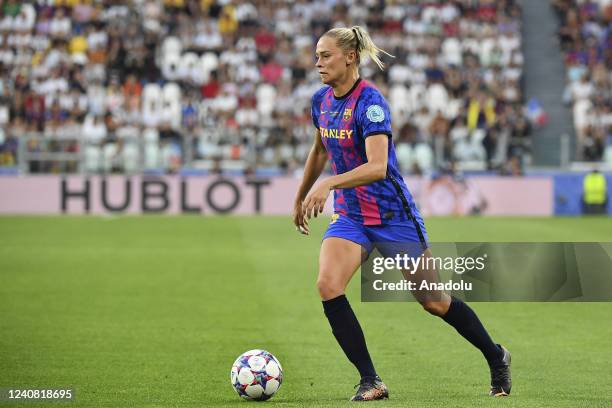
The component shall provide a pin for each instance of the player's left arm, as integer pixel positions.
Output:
(373, 170)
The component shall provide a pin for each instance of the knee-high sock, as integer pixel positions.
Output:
(465, 321)
(348, 333)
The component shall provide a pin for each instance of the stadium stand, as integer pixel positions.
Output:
(585, 36)
(114, 86)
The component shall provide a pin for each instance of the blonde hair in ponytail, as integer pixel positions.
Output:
(357, 39)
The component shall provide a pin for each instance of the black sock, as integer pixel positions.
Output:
(465, 321)
(347, 331)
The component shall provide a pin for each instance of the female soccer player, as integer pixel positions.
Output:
(372, 205)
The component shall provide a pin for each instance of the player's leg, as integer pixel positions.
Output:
(453, 311)
(338, 261)
(343, 248)
(436, 302)
(412, 238)
(459, 315)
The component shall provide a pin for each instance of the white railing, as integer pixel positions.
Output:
(136, 153)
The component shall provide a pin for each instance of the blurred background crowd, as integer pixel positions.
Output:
(225, 85)
(585, 35)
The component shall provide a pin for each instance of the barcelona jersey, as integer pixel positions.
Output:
(344, 124)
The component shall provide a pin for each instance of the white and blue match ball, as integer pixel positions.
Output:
(256, 375)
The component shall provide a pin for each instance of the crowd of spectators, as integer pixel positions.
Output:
(169, 83)
(585, 35)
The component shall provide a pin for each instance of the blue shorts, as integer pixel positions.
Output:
(388, 239)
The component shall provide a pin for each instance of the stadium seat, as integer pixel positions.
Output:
(471, 45)
(478, 136)
(171, 108)
(268, 155)
(469, 147)
(170, 66)
(424, 156)
(477, 146)
(130, 154)
(171, 46)
(486, 48)
(416, 97)
(399, 74)
(247, 117)
(400, 103)
(110, 159)
(208, 147)
(190, 68)
(301, 152)
(151, 104)
(131, 157)
(451, 49)
(93, 158)
(285, 152)
(209, 62)
(96, 98)
(266, 99)
(453, 108)
(436, 98)
(161, 104)
(29, 16)
(405, 157)
(430, 14)
(151, 149)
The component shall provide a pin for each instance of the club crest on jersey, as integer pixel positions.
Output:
(347, 114)
(334, 218)
(375, 113)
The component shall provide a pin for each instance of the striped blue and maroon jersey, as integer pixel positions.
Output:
(344, 124)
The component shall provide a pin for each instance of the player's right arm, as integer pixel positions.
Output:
(315, 163)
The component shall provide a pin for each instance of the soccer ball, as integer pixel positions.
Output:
(256, 375)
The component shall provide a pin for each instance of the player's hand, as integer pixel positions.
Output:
(301, 223)
(315, 200)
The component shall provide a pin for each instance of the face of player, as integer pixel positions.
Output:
(333, 64)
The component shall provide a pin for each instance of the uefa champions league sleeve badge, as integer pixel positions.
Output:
(375, 113)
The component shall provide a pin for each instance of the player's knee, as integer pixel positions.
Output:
(436, 308)
(328, 288)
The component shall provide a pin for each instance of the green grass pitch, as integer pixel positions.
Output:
(152, 311)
